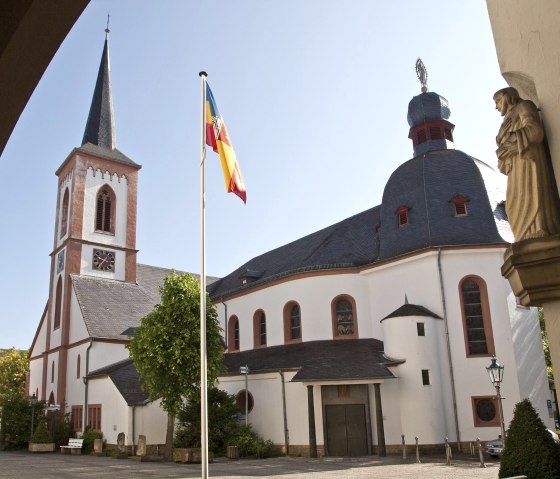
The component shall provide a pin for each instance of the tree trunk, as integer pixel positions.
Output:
(168, 454)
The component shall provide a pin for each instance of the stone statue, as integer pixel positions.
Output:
(531, 199)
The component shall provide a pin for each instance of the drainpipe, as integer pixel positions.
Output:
(225, 322)
(86, 386)
(450, 361)
(286, 431)
(133, 429)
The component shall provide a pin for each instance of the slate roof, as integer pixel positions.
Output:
(411, 310)
(126, 379)
(100, 152)
(331, 360)
(347, 244)
(110, 307)
(100, 126)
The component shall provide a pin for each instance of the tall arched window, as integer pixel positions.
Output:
(51, 399)
(78, 367)
(52, 372)
(292, 323)
(477, 326)
(64, 215)
(345, 324)
(105, 210)
(259, 329)
(233, 334)
(58, 303)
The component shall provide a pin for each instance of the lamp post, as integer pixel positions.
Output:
(496, 373)
(33, 401)
(245, 370)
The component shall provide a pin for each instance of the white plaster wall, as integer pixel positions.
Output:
(86, 266)
(151, 421)
(114, 410)
(104, 354)
(392, 421)
(314, 295)
(419, 352)
(41, 340)
(531, 366)
(51, 385)
(78, 330)
(94, 180)
(36, 376)
(75, 388)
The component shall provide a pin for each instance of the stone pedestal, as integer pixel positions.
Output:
(532, 268)
(191, 455)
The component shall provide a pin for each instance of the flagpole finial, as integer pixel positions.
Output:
(203, 74)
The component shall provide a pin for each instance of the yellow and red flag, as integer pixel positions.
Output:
(218, 139)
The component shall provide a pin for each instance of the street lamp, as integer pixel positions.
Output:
(33, 401)
(245, 370)
(496, 373)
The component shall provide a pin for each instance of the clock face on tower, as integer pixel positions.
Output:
(103, 260)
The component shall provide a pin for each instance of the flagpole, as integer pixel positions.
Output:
(203, 358)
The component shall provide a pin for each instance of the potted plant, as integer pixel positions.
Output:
(41, 440)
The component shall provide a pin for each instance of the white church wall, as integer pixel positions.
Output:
(103, 354)
(94, 180)
(35, 377)
(392, 420)
(52, 376)
(149, 420)
(314, 294)
(420, 353)
(78, 330)
(114, 410)
(531, 366)
(41, 339)
(74, 379)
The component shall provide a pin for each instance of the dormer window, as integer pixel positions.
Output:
(248, 276)
(402, 215)
(460, 204)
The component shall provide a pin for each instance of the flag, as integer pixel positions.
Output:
(218, 139)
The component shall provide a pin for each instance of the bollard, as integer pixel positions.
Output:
(447, 452)
(479, 446)
(403, 447)
(417, 451)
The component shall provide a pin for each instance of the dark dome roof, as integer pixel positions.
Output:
(427, 106)
(426, 185)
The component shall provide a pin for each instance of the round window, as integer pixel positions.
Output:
(243, 396)
(486, 410)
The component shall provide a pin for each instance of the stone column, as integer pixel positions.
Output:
(381, 450)
(311, 415)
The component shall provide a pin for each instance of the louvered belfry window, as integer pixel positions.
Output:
(103, 213)
(476, 334)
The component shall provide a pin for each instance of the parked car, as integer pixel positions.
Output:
(495, 447)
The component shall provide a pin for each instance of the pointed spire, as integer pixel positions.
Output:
(405, 299)
(100, 127)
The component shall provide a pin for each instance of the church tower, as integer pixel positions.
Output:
(95, 226)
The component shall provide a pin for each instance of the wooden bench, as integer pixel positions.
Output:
(74, 447)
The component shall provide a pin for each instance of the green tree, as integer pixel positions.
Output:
(546, 349)
(223, 423)
(166, 346)
(15, 412)
(529, 448)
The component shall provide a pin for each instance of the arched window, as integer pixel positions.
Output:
(105, 210)
(64, 216)
(292, 323)
(233, 334)
(345, 325)
(78, 367)
(51, 399)
(477, 326)
(52, 372)
(259, 329)
(58, 303)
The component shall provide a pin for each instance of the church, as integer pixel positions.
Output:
(339, 343)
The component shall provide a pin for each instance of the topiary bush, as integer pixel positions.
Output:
(41, 434)
(529, 448)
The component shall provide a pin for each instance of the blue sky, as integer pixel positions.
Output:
(314, 94)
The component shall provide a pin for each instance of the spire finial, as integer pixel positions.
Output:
(422, 74)
(107, 27)
(405, 299)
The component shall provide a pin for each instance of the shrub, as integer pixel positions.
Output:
(60, 427)
(41, 434)
(529, 448)
(89, 436)
(251, 444)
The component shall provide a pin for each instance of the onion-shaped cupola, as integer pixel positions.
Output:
(428, 118)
